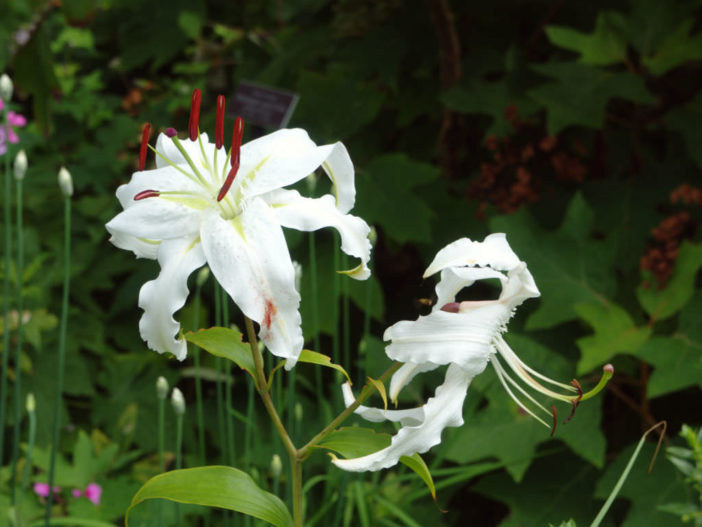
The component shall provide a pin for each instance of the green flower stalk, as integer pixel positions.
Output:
(30, 406)
(178, 402)
(66, 185)
(5, 95)
(19, 169)
(161, 393)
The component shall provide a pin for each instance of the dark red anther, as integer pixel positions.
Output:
(171, 132)
(219, 131)
(451, 307)
(194, 114)
(235, 157)
(236, 141)
(555, 420)
(146, 194)
(144, 143)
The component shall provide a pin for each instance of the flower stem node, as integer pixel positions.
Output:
(178, 401)
(20, 165)
(6, 87)
(161, 388)
(202, 205)
(65, 182)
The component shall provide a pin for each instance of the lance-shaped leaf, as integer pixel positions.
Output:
(225, 343)
(215, 486)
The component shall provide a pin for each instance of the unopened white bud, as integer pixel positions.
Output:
(178, 401)
(276, 466)
(30, 403)
(6, 87)
(202, 276)
(65, 182)
(161, 388)
(20, 166)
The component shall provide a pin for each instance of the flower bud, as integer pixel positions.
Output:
(6, 87)
(298, 411)
(65, 182)
(276, 466)
(178, 401)
(161, 388)
(202, 276)
(31, 403)
(20, 166)
(373, 236)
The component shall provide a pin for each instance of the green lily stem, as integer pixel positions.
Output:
(61, 354)
(179, 455)
(290, 449)
(161, 434)
(198, 380)
(6, 290)
(28, 458)
(367, 391)
(18, 346)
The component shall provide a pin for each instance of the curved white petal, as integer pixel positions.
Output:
(140, 247)
(520, 286)
(443, 410)
(453, 279)
(404, 375)
(443, 338)
(250, 259)
(169, 151)
(310, 214)
(166, 179)
(287, 156)
(494, 251)
(156, 219)
(413, 416)
(165, 295)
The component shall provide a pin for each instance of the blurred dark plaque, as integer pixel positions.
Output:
(264, 106)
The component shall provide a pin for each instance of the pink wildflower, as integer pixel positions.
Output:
(93, 492)
(7, 133)
(77, 493)
(42, 489)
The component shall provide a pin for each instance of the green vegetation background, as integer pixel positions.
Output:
(574, 127)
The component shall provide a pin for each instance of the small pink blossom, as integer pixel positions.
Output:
(42, 489)
(77, 493)
(7, 133)
(93, 492)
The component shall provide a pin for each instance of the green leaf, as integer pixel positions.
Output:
(677, 48)
(604, 46)
(72, 521)
(417, 464)
(615, 332)
(225, 343)
(356, 441)
(215, 486)
(312, 357)
(568, 265)
(387, 195)
(661, 304)
(580, 93)
(685, 120)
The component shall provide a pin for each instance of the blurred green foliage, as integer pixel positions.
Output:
(574, 127)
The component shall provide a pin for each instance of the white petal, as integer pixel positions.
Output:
(161, 179)
(140, 247)
(156, 219)
(444, 338)
(284, 157)
(250, 259)
(164, 296)
(520, 286)
(494, 251)
(453, 279)
(404, 375)
(165, 147)
(413, 416)
(443, 410)
(307, 214)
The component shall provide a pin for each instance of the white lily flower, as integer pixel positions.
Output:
(202, 205)
(465, 336)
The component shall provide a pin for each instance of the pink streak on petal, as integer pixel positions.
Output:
(93, 493)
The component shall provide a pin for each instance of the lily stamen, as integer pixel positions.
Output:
(144, 144)
(235, 157)
(146, 194)
(194, 115)
(219, 129)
